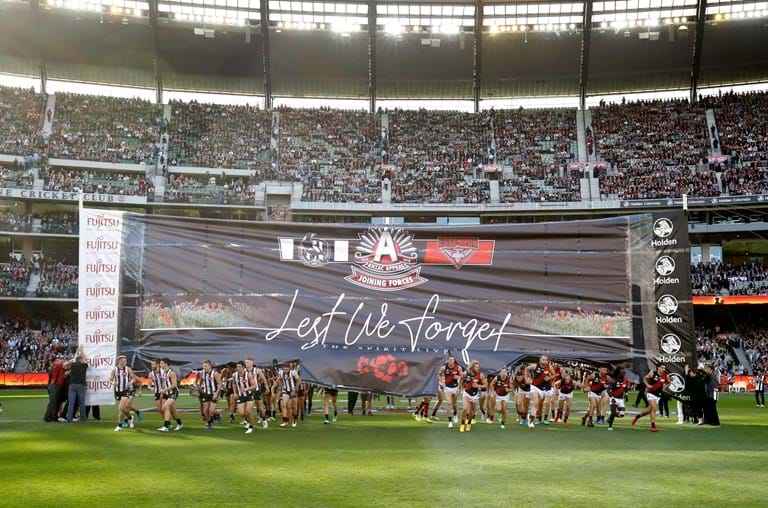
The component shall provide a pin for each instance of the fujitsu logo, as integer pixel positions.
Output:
(100, 221)
(99, 313)
(97, 361)
(101, 244)
(98, 291)
(101, 267)
(99, 338)
(97, 384)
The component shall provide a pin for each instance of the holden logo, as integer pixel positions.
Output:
(676, 383)
(667, 304)
(665, 265)
(662, 227)
(670, 343)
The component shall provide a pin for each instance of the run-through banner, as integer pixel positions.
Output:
(378, 307)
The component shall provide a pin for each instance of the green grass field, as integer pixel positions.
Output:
(384, 460)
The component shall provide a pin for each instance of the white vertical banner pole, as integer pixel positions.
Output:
(101, 233)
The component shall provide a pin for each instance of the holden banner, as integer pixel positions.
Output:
(378, 307)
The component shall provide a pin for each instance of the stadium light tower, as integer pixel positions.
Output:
(698, 42)
(586, 37)
(478, 55)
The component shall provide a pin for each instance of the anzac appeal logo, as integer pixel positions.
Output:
(386, 260)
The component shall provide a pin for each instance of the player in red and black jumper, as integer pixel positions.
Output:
(602, 406)
(595, 384)
(565, 388)
(499, 396)
(541, 375)
(655, 382)
(554, 392)
(617, 390)
(472, 381)
(451, 373)
(522, 385)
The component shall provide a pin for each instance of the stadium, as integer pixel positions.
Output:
(383, 253)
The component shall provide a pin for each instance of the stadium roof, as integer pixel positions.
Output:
(423, 49)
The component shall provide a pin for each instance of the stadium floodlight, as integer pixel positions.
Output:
(604, 24)
(667, 21)
(494, 29)
(572, 26)
(450, 29)
(137, 12)
(393, 28)
(684, 20)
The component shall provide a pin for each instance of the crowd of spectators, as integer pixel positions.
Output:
(653, 149)
(332, 153)
(438, 156)
(100, 182)
(755, 344)
(717, 278)
(209, 189)
(14, 276)
(57, 278)
(747, 179)
(16, 177)
(530, 190)
(21, 117)
(715, 347)
(47, 222)
(651, 180)
(742, 125)
(219, 136)
(17, 223)
(19, 341)
(108, 129)
(671, 132)
(535, 143)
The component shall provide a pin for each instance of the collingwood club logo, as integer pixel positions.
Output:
(386, 260)
(671, 343)
(676, 383)
(665, 266)
(663, 229)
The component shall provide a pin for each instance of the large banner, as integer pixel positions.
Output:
(379, 307)
(101, 234)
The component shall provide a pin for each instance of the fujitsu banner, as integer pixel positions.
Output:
(100, 250)
(378, 307)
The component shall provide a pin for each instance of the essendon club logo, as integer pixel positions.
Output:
(99, 291)
(459, 251)
(100, 244)
(97, 337)
(100, 267)
(98, 314)
(101, 221)
(387, 258)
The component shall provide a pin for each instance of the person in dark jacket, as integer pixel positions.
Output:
(712, 390)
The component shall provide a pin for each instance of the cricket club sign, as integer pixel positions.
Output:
(387, 259)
